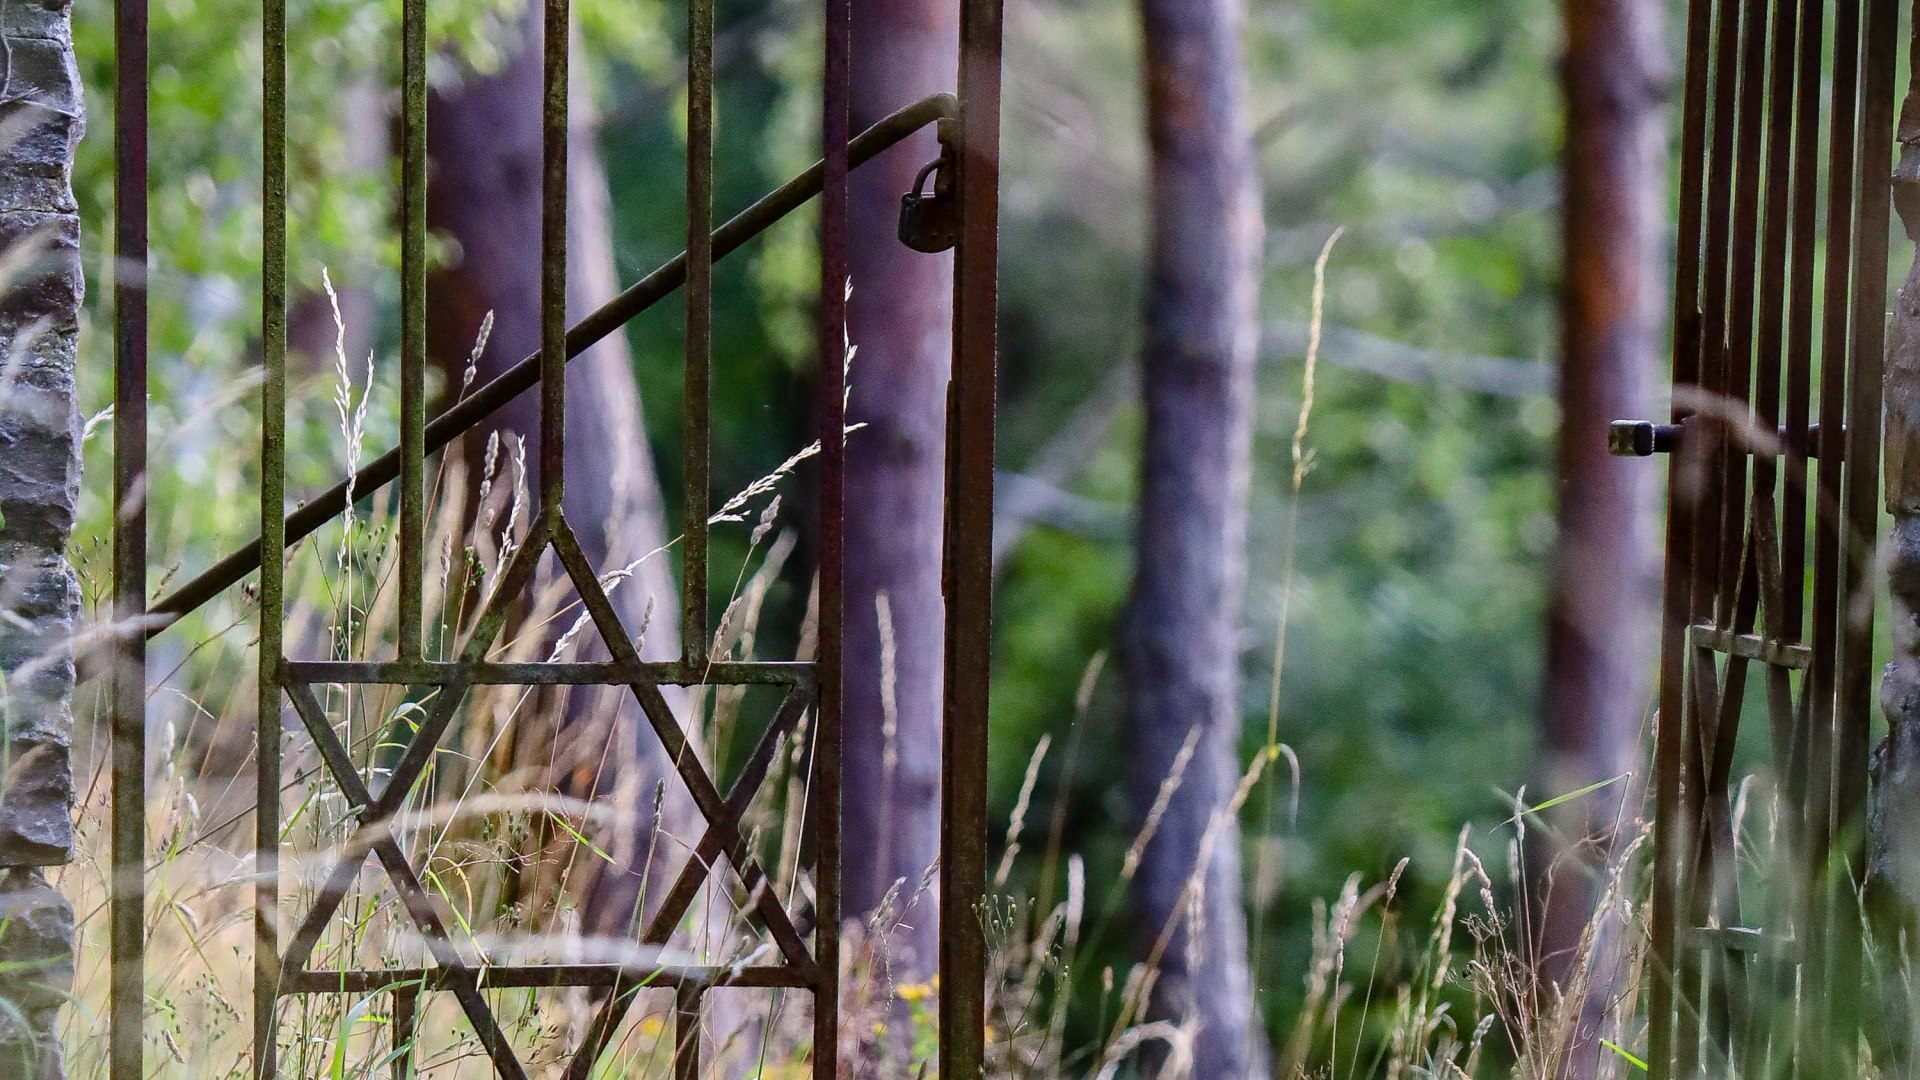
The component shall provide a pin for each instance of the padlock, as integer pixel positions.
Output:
(928, 221)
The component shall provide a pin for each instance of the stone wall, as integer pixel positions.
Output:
(40, 295)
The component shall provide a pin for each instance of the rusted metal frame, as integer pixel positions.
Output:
(700, 786)
(591, 673)
(412, 455)
(426, 740)
(127, 903)
(273, 482)
(413, 895)
(489, 397)
(696, 398)
(1709, 522)
(686, 886)
(824, 791)
(551, 976)
(968, 557)
(1669, 732)
(413, 325)
(374, 814)
(553, 258)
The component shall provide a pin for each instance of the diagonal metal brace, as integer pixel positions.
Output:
(491, 396)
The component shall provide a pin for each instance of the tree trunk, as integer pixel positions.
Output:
(1605, 568)
(484, 143)
(1181, 633)
(1893, 844)
(901, 322)
(39, 485)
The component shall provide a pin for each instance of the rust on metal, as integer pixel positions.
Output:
(1765, 447)
(127, 695)
(968, 573)
(805, 945)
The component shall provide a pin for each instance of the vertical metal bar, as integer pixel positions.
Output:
(835, 132)
(1834, 362)
(273, 538)
(406, 1019)
(128, 901)
(1853, 716)
(1828, 540)
(1799, 347)
(686, 1032)
(1871, 224)
(553, 261)
(697, 403)
(1794, 499)
(1772, 307)
(1713, 375)
(1669, 730)
(969, 549)
(1717, 885)
(1746, 171)
(413, 323)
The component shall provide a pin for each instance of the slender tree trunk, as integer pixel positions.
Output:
(39, 485)
(485, 146)
(901, 323)
(1893, 844)
(1605, 569)
(1181, 634)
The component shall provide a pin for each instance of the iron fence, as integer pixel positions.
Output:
(806, 943)
(1779, 314)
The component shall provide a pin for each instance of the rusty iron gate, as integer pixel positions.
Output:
(960, 212)
(1774, 436)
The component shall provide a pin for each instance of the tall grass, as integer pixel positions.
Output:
(507, 845)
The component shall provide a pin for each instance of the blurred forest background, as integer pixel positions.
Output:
(1412, 566)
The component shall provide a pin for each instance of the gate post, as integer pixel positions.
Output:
(39, 483)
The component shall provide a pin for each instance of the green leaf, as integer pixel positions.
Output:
(1626, 1056)
(571, 831)
(1567, 798)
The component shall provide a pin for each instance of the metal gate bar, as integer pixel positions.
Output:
(1747, 277)
(127, 693)
(282, 967)
(968, 572)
